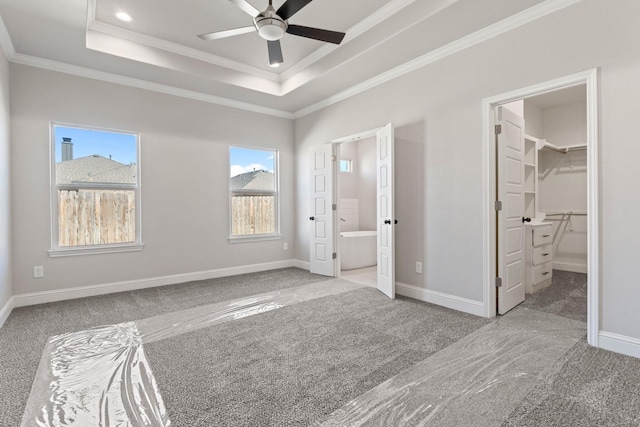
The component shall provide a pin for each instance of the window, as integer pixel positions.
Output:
(346, 166)
(254, 192)
(95, 190)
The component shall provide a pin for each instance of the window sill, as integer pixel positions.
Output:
(248, 239)
(94, 250)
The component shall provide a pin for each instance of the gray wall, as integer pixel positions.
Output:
(5, 189)
(442, 103)
(184, 171)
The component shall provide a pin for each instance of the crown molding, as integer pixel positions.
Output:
(5, 41)
(501, 27)
(122, 33)
(536, 12)
(361, 27)
(48, 64)
(176, 48)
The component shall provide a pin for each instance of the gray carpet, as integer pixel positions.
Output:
(25, 332)
(566, 297)
(296, 365)
(588, 387)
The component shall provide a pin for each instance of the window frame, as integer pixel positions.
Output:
(60, 251)
(276, 193)
(349, 162)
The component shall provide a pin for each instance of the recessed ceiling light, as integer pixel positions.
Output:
(123, 16)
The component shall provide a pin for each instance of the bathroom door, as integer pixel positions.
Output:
(510, 176)
(321, 212)
(385, 212)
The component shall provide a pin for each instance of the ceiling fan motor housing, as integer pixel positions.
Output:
(269, 25)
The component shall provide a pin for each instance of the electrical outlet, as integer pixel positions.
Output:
(285, 246)
(418, 267)
(38, 271)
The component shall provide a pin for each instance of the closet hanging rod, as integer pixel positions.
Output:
(564, 150)
(567, 213)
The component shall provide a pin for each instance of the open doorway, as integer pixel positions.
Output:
(372, 246)
(357, 222)
(542, 178)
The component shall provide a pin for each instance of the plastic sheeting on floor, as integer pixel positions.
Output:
(97, 377)
(101, 377)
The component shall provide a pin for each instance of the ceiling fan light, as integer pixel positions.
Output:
(271, 29)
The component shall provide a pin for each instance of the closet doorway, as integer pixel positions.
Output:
(542, 227)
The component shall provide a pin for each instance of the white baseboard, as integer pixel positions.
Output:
(619, 343)
(304, 265)
(6, 311)
(446, 300)
(33, 298)
(569, 266)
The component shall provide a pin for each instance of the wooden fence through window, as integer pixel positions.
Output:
(252, 214)
(94, 217)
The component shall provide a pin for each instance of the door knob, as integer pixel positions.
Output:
(396, 221)
(387, 221)
(526, 219)
(312, 218)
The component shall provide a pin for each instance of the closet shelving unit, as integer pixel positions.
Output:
(538, 258)
(531, 147)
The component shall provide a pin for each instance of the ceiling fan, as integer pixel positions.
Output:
(272, 26)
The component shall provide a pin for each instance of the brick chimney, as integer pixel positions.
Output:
(67, 149)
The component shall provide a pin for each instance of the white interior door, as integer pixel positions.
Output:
(321, 253)
(510, 176)
(385, 212)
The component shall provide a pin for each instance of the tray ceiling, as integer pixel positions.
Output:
(160, 47)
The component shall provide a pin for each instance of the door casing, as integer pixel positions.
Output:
(372, 133)
(590, 79)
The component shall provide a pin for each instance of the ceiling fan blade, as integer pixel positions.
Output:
(275, 53)
(316, 33)
(291, 7)
(247, 7)
(227, 33)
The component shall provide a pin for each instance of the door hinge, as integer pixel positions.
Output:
(334, 256)
(498, 129)
(498, 205)
(498, 282)
(334, 207)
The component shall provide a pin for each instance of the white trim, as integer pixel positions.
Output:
(371, 133)
(5, 41)
(303, 265)
(371, 21)
(619, 343)
(33, 298)
(254, 238)
(6, 311)
(188, 52)
(89, 73)
(590, 79)
(93, 250)
(570, 266)
(529, 15)
(536, 12)
(439, 298)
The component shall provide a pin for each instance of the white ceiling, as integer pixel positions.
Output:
(570, 95)
(160, 47)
